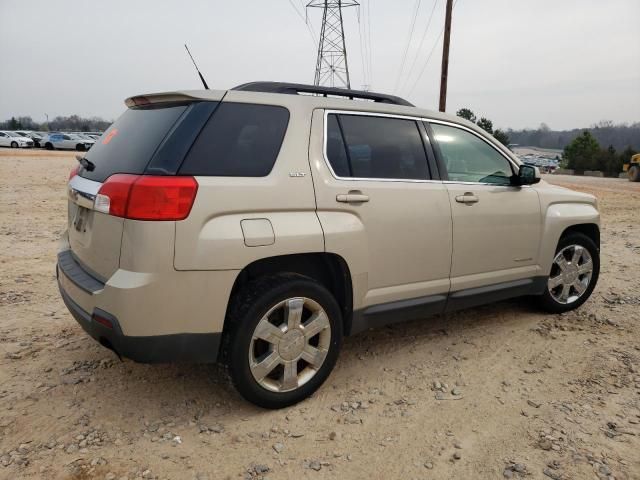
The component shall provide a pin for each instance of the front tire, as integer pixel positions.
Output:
(574, 274)
(283, 339)
(634, 174)
(14, 144)
(48, 146)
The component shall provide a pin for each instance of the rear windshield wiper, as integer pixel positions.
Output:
(86, 163)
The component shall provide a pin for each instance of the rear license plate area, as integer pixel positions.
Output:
(80, 219)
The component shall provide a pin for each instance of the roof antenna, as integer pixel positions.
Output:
(206, 87)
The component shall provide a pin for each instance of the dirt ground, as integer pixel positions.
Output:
(539, 396)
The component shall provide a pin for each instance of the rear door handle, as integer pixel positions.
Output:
(468, 198)
(352, 197)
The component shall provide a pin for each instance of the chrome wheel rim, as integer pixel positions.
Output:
(289, 344)
(570, 274)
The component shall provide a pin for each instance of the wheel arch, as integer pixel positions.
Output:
(591, 230)
(562, 218)
(328, 269)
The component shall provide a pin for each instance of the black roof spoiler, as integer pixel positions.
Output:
(297, 88)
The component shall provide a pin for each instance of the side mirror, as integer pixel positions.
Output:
(528, 175)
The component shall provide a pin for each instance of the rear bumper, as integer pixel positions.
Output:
(175, 347)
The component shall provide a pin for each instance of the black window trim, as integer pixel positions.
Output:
(417, 121)
(344, 145)
(436, 148)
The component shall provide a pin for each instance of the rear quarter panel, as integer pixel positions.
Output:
(211, 238)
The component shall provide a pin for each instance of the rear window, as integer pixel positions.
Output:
(241, 140)
(362, 146)
(128, 145)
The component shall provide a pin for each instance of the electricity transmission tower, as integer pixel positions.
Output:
(331, 66)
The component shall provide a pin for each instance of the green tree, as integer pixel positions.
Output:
(609, 161)
(502, 137)
(582, 153)
(467, 114)
(486, 124)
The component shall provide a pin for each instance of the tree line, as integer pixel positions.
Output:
(585, 153)
(72, 123)
(620, 136)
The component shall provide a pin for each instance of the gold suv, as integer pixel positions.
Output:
(260, 225)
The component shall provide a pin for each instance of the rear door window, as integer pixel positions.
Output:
(128, 145)
(240, 140)
(362, 146)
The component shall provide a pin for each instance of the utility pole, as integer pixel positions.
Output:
(445, 57)
(332, 68)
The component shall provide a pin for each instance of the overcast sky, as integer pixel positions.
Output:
(569, 63)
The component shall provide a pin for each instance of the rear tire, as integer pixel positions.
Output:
(80, 147)
(14, 144)
(634, 174)
(288, 326)
(579, 277)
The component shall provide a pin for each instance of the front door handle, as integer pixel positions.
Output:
(352, 197)
(468, 198)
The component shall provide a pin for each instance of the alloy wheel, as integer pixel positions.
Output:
(570, 274)
(289, 344)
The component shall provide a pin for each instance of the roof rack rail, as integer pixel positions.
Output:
(297, 88)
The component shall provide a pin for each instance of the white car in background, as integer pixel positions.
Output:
(35, 136)
(66, 141)
(13, 140)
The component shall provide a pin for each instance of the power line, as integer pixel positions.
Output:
(417, 55)
(369, 40)
(424, 67)
(406, 48)
(363, 50)
(297, 11)
(415, 84)
(302, 17)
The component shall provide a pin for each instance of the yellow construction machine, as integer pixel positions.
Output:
(633, 168)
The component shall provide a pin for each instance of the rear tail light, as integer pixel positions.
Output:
(145, 197)
(74, 171)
